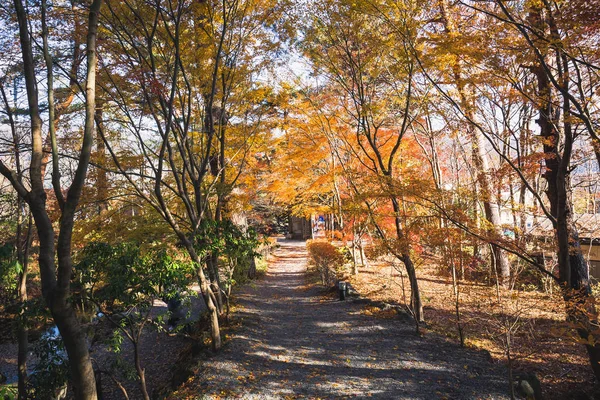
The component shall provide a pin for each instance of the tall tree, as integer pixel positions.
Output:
(56, 277)
(480, 158)
(188, 137)
(541, 59)
(23, 243)
(346, 45)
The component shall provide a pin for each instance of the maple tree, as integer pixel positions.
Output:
(200, 116)
(486, 98)
(377, 98)
(463, 131)
(561, 116)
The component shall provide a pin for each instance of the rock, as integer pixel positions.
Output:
(488, 355)
(528, 385)
(176, 310)
(60, 393)
(526, 390)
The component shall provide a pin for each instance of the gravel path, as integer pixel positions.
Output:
(295, 343)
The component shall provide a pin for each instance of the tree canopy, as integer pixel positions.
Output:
(163, 140)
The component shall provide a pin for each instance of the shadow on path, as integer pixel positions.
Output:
(293, 343)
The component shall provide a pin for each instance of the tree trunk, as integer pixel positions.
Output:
(22, 330)
(363, 257)
(415, 295)
(573, 269)
(251, 269)
(491, 208)
(56, 282)
(354, 255)
(140, 370)
(101, 178)
(215, 331)
(213, 274)
(207, 295)
(82, 372)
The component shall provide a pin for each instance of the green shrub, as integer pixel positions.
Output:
(51, 372)
(8, 392)
(10, 268)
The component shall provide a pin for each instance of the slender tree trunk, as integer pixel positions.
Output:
(213, 261)
(23, 349)
(207, 295)
(215, 331)
(251, 270)
(415, 295)
(140, 370)
(354, 255)
(23, 247)
(456, 290)
(363, 257)
(56, 282)
(337, 197)
(213, 273)
(491, 208)
(101, 178)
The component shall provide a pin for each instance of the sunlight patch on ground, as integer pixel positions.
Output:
(291, 358)
(370, 328)
(347, 326)
(332, 325)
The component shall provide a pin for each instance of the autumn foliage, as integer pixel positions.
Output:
(326, 258)
(461, 136)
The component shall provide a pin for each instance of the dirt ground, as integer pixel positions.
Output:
(160, 352)
(542, 341)
(295, 342)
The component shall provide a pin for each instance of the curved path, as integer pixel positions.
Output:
(294, 343)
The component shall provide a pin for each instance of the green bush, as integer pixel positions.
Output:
(51, 372)
(235, 246)
(123, 281)
(119, 277)
(8, 392)
(10, 268)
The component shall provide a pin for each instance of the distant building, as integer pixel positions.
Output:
(300, 228)
(588, 228)
(316, 226)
